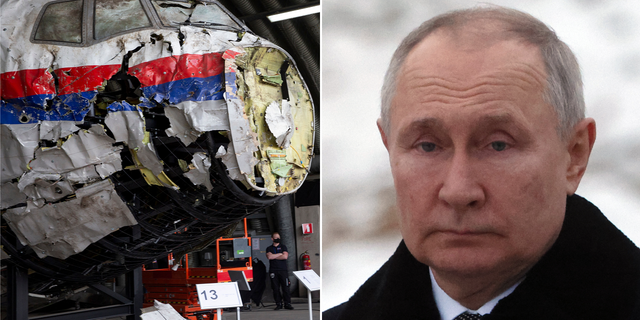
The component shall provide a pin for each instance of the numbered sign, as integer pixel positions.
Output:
(219, 295)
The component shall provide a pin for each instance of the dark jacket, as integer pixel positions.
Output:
(591, 272)
(275, 264)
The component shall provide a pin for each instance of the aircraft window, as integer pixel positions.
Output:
(61, 21)
(211, 14)
(173, 13)
(114, 16)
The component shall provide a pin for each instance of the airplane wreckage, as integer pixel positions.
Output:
(131, 129)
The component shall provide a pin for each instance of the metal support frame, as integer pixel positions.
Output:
(18, 297)
(130, 306)
(136, 292)
(93, 313)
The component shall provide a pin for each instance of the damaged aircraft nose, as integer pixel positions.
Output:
(116, 130)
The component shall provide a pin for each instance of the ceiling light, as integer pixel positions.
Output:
(294, 14)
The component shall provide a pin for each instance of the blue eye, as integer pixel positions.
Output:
(499, 145)
(428, 146)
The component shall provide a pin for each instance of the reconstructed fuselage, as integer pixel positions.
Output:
(134, 128)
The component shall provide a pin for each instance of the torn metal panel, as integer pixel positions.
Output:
(30, 177)
(66, 228)
(217, 41)
(90, 146)
(199, 170)
(159, 44)
(280, 122)
(76, 159)
(128, 127)
(10, 195)
(180, 126)
(54, 130)
(50, 191)
(190, 119)
(106, 169)
(86, 174)
(243, 138)
(19, 141)
(206, 116)
(230, 161)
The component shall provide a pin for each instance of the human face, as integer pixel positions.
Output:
(478, 167)
(274, 237)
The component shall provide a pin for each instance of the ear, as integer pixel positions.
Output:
(382, 134)
(579, 148)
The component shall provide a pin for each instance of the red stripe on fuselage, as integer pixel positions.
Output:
(23, 83)
(85, 78)
(177, 68)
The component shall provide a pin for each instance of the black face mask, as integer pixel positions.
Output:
(276, 240)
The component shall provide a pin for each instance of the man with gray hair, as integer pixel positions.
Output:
(483, 119)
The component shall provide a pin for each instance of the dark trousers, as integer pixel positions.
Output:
(280, 278)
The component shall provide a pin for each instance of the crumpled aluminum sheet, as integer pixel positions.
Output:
(243, 138)
(128, 127)
(19, 141)
(66, 228)
(280, 122)
(206, 116)
(190, 119)
(10, 195)
(54, 130)
(50, 191)
(76, 160)
(180, 126)
(230, 161)
(199, 174)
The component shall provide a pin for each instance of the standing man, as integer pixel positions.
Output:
(483, 119)
(277, 255)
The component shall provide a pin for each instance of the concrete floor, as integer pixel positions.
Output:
(300, 312)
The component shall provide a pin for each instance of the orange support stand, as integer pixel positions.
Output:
(177, 287)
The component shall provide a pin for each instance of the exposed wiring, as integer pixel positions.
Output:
(302, 164)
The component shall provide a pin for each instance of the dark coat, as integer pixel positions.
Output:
(591, 272)
(259, 281)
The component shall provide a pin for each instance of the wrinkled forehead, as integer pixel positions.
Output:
(446, 70)
(474, 49)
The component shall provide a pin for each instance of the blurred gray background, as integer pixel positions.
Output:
(358, 201)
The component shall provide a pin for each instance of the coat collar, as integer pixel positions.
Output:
(591, 272)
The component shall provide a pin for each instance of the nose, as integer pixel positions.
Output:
(461, 188)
